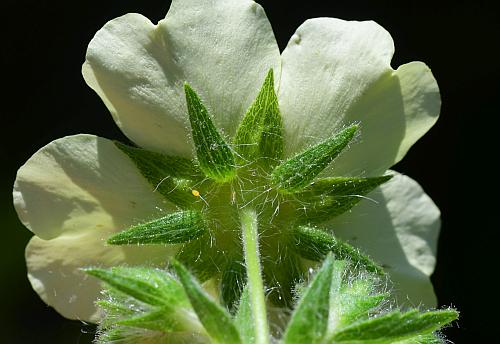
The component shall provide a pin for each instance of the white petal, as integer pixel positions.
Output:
(81, 183)
(54, 268)
(222, 48)
(336, 73)
(397, 226)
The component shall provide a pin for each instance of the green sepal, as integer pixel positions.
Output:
(151, 286)
(161, 319)
(172, 177)
(130, 335)
(216, 321)
(330, 197)
(201, 257)
(114, 310)
(297, 172)
(232, 282)
(175, 228)
(309, 320)
(214, 155)
(244, 319)
(281, 276)
(115, 335)
(315, 244)
(260, 134)
(394, 326)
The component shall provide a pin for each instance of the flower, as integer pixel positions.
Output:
(76, 191)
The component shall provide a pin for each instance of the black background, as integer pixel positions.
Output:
(44, 97)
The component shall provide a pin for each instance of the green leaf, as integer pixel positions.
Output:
(172, 177)
(315, 244)
(232, 282)
(201, 257)
(174, 228)
(244, 320)
(352, 300)
(355, 301)
(425, 339)
(260, 132)
(297, 172)
(394, 326)
(309, 321)
(330, 197)
(151, 286)
(214, 156)
(215, 319)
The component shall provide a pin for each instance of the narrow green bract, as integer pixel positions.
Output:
(329, 197)
(244, 320)
(201, 257)
(232, 281)
(160, 319)
(172, 177)
(297, 172)
(215, 319)
(214, 156)
(260, 134)
(175, 228)
(310, 319)
(151, 286)
(315, 244)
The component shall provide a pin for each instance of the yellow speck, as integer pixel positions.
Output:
(195, 193)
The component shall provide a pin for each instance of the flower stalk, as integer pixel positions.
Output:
(250, 235)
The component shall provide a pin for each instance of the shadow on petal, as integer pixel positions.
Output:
(380, 227)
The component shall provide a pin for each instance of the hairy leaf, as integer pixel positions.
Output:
(395, 326)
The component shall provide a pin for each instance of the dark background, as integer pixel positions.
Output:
(44, 97)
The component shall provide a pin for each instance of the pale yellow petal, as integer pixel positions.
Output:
(222, 48)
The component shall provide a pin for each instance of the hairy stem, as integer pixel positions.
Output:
(256, 287)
